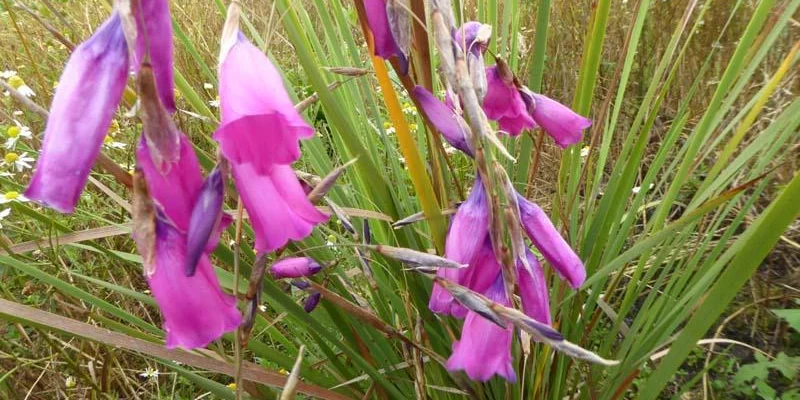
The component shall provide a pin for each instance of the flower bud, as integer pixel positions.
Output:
(294, 267)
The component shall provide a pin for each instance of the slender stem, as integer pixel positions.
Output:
(237, 350)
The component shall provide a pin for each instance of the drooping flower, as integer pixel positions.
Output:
(294, 267)
(260, 125)
(389, 32)
(465, 239)
(312, 301)
(504, 104)
(195, 309)
(259, 135)
(473, 37)
(484, 349)
(550, 243)
(557, 120)
(87, 96)
(451, 125)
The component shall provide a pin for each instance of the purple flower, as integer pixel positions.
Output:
(533, 290)
(155, 37)
(195, 309)
(475, 36)
(294, 267)
(87, 96)
(205, 219)
(259, 135)
(504, 104)
(384, 42)
(260, 125)
(559, 121)
(465, 240)
(276, 204)
(548, 240)
(484, 348)
(451, 125)
(312, 301)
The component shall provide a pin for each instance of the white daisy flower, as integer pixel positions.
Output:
(20, 162)
(409, 109)
(585, 152)
(7, 74)
(8, 197)
(150, 373)
(388, 128)
(208, 86)
(3, 214)
(17, 83)
(15, 133)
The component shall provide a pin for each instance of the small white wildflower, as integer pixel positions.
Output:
(70, 382)
(401, 159)
(409, 109)
(585, 152)
(17, 113)
(17, 83)
(14, 133)
(636, 189)
(3, 214)
(262, 308)
(109, 143)
(12, 196)
(214, 103)
(388, 128)
(7, 74)
(208, 86)
(149, 373)
(20, 162)
(331, 242)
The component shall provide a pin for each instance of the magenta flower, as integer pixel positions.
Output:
(294, 267)
(484, 349)
(195, 309)
(88, 94)
(451, 125)
(533, 290)
(276, 204)
(205, 219)
(548, 240)
(155, 38)
(559, 121)
(504, 104)
(259, 135)
(465, 241)
(475, 36)
(260, 125)
(384, 42)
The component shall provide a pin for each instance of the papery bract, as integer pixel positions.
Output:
(87, 96)
(276, 204)
(195, 309)
(260, 125)
(504, 104)
(155, 38)
(474, 35)
(550, 243)
(294, 267)
(484, 348)
(384, 43)
(451, 125)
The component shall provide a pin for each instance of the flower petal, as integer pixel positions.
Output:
(559, 121)
(86, 99)
(444, 119)
(294, 267)
(484, 348)
(504, 104)
(276, 205)
(548, 240)
(205, 218)
(384, 42)
(195, 309)
(533, 290)
(155, 34)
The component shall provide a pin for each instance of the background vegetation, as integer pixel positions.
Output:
(681, 202)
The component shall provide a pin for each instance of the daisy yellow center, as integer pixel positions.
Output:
(11, 195)
(108, 139)
(387, 125)
(15, 82)
(11, 157)
(13, 131)
(413, 127)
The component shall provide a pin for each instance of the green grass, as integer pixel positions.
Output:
(684, 209)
